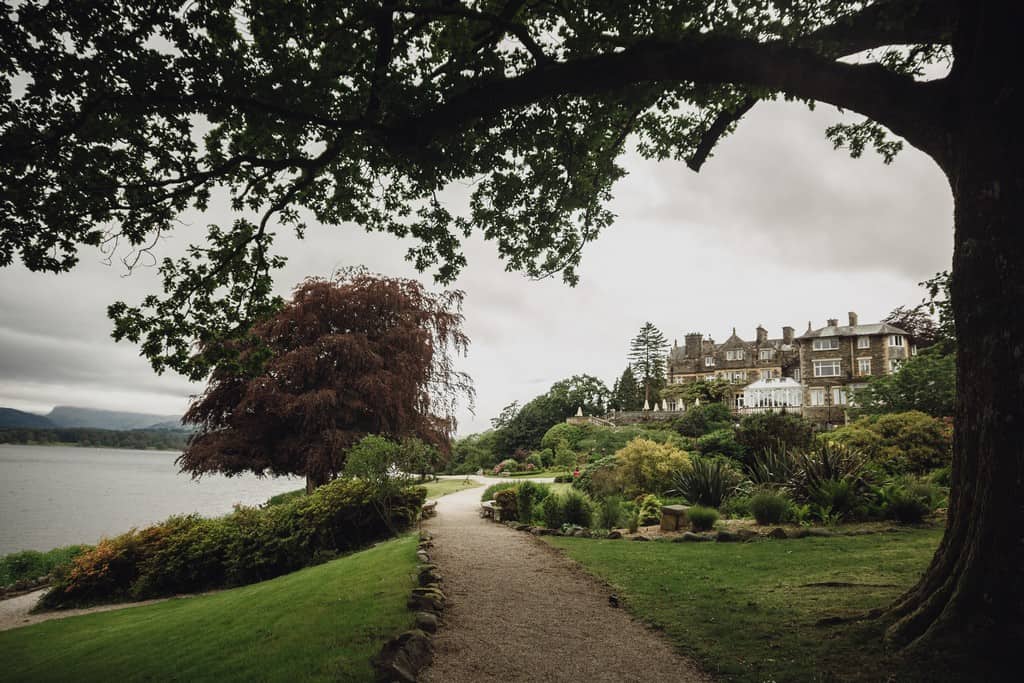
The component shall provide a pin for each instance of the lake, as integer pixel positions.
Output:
(54, 495)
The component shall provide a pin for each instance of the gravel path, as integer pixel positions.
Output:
(16, 612)
(520, 611)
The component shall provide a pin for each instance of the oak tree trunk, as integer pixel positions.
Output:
(974, 588)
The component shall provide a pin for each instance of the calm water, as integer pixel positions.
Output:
(53, 496)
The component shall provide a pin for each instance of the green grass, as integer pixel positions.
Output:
(745, 611)
(318, 624)
(32, 564)
(443, 487)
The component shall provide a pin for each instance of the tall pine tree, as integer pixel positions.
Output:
(647, 359)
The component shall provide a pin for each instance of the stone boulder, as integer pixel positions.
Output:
(778, 532)
(426, 621)
(403, 657)
(614, 534)
(690, 537)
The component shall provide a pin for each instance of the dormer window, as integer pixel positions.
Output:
(709, 361)
(735, 354)
(896, 340)
(825, 344)
(766, 354)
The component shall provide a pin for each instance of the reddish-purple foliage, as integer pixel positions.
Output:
(360, 354)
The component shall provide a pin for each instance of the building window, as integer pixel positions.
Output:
(739, 400)
(863, 342)
(854, 388)
(766, 354)
(894, 364)
(767, 374)
(739, 376)
(826, 344)
(817, 397)
(796, 374)
(709, 361)
(896, 340)
(839, 396)
(863, 366)
(827, 368)
(735, 354)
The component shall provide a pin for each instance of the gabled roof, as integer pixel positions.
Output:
(853, 330)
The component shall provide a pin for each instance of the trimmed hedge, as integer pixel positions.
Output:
(188, 554)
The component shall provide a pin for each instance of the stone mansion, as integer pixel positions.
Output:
(812, 373)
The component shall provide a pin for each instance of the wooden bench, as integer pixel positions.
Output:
(487, 509)
(430, 508)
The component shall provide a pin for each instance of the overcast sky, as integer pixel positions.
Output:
(777, 229)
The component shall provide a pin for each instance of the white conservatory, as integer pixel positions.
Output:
(779, 393)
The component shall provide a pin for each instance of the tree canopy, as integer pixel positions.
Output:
(361, 112)
(345, 358)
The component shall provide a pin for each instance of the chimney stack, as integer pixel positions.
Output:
(692, 345)
(762, 335)
(853, 319)
(833, 322)
(787, 335)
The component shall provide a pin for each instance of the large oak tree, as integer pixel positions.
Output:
(122, 115)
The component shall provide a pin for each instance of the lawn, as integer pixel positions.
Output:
(443, 487)
(747, 611)
(318, 624)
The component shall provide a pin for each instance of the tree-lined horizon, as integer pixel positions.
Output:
(363, 111)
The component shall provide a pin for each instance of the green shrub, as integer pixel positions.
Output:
(597, 478)
(552, 511)
(649, 510)
(645, 466)
(736, 507)
(772, 467)
(776, 431)
(831, 476)
(284, 497)
(577, 508)
(186, 554)
(708, 482)
(768, 508)
(899, 443)
(489, 492)
(528, 495)
(721, 442)
(702, 518)
(703, 419)
(609, 512)
(910, 499)
(633, 520)
(29, 565)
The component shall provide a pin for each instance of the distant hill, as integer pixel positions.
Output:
(11, 418)
(68, 416)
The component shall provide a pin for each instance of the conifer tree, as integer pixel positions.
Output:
(626, 393)
(647, 359)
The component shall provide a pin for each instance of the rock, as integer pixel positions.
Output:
(818, 531)
(426, 621)
(778, 532)
(640, 538)
(726, 537)
(799, 533)
(673, 517)
(422, 556)
(426, 536)
(522, 527)
(402, 658)
(535, 530)
(690, 537)
(429, 599)
(581, 533)
(614, 534)
(747, 534)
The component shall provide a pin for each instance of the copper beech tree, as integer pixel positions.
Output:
(359, 354)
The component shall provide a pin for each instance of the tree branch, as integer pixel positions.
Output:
(718, 128)
(910, 109)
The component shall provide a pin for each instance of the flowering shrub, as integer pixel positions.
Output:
(186, 554)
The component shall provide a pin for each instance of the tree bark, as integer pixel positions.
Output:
(314, 480)
(974, 587)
